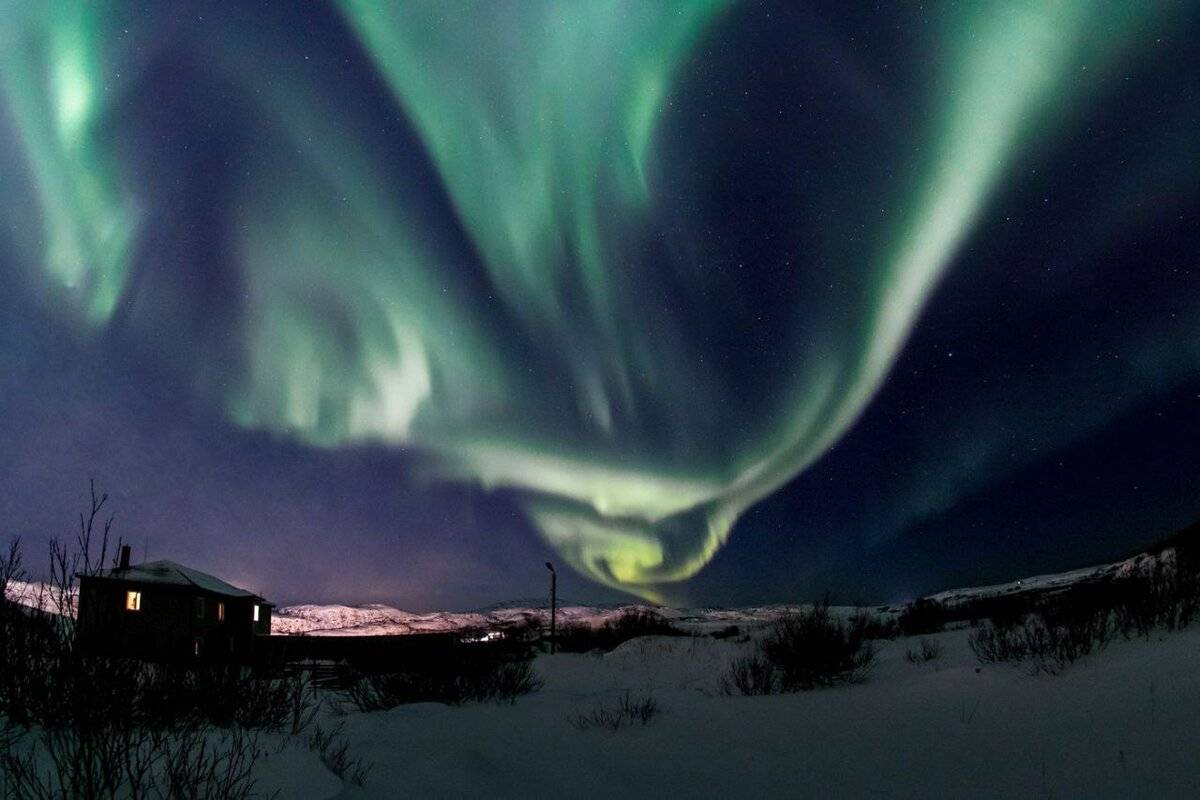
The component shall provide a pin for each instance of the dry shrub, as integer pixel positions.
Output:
(805, 650)
(469, 680)
(583, 638)
(926, 651)
(626, 712)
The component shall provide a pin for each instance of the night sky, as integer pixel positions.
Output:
(714, 302)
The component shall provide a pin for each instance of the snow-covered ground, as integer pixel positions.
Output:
(1121, 723)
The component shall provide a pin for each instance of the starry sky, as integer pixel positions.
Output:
(708, 302)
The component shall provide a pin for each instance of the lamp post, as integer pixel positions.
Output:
(553, 602)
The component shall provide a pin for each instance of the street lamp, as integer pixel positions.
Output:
(553, 602)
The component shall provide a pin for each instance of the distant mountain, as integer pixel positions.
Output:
(382, 620)
(366, 620)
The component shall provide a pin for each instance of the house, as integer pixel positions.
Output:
(163, 611)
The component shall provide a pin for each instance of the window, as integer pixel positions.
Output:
(133, 601)
(220, 612)
(199, 608)
(256, 612)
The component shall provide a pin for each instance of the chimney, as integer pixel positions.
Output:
(124, 557)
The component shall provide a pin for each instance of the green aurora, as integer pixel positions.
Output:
(560, 377)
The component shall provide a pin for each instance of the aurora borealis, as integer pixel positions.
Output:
(643, 280)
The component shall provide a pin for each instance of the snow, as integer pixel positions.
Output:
(1138, 564)
(1119, 724)
(168, 572)
(290, 770)
(382, 620)
(42, 596)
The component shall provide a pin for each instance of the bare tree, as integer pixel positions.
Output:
(10, 568)
(86, 558)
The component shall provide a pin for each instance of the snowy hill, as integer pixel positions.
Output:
(383, 620)
(41, 596)
(1055, 582)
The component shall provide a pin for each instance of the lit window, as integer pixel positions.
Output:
(133, 601)
(199, 608)
(256, 612)
(220, 612)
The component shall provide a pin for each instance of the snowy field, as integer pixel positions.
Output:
(1121, 723)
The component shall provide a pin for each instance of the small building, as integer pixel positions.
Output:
(163, 611)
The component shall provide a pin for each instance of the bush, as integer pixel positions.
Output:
(923, 616)
(1166, 597)
(1050, 640)
(927, 650)
(1061, 628)
(583, 638)
(728, 632)
(624, 713)
(188, 763)
(875, 626)
(812, 648)
(334, 751)
(470, 680)
(805, 650)
(751, 675)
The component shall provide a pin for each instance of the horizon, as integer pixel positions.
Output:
(532, 602)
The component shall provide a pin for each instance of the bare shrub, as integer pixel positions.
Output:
(626, 712)
(1049, 640)
(583, 638)
(750, 675)
(333, 749)
(874, 626)
(466, 681)
(728, 632)
(806, 650)
(226, 696)
(189, 763)
(922, 616)
(1167, 597)
(511, 681)
(926, 651)
(812, 649)
(1164, 594)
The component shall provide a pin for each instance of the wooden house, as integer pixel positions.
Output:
(163, 611)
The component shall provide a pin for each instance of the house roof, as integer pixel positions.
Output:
(170, 573)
